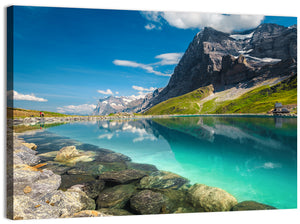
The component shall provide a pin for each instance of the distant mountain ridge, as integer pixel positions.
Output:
(130, 104)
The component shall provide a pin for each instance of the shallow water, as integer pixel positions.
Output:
(253, 158)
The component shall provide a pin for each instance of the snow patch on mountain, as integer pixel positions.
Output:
(242, 36)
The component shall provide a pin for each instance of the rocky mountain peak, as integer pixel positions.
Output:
(218, 58)
(210, 34)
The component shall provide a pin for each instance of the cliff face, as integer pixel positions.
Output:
(221, 59)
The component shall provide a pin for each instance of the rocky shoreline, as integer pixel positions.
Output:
(50, 120)
(74, 183)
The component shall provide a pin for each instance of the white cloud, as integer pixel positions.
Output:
(134, 64)
(107, 92)
(142, 92)
(19, 96)
(117, 92)
(165, 59)
(187, 20)
(151, 26)
(79, 109)
(107, 136)
(139, 88)
(169, 58)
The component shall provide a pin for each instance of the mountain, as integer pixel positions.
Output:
(130, 104)
(226, 60)
(114, 104)
(220, 71)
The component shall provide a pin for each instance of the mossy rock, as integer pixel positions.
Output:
(251, 205)
(163, 180)
(115, 197)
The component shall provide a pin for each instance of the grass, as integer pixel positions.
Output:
(185, 104)
(23, 128)
(259, 100)
(22, 113)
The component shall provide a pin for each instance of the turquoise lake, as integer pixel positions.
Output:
(253, 158)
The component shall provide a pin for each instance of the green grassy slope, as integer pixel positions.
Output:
(259, 100)
(21, 113)
(185, 104)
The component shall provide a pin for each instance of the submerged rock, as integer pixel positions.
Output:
(163, 180)
(251, 205)
(211, 199)
(115, 197)
(113, 166)
(57, 167)
(68, 181)
(114, 211)
(148, 168)
(147, 202)
(94, 168)
(113, 157)
(67, 153)
(122, 177)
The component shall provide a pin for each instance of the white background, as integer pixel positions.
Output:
(265, 7)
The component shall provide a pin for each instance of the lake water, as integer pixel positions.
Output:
(253, 158)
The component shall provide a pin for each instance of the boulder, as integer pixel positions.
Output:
(35, 194)
(148, 168)
(67, 153)
(25, 207)
(91, 188)
(57, 167)
(113, 166)
(113, 157)
(177, 201)
(86, 213)
(68, 181)
(114, 211)
(30, 145)
(163, 180)
(90, 168)
(211, 199)
(251, 205)
(70, 201)
(115, 197)
(25, 155)
(122, 177)
(40, 182)
(45, 203)
(147, 202)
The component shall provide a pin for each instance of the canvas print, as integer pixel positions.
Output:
(117, 112)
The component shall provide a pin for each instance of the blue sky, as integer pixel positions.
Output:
(66, 59)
